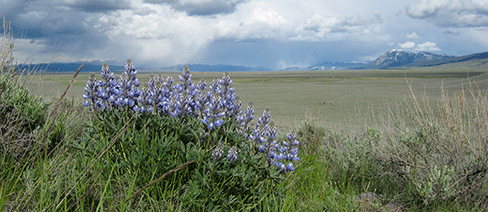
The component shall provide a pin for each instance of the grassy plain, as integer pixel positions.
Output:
(346, 150)
(328, 98)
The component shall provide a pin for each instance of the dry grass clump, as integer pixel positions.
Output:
(445, 157)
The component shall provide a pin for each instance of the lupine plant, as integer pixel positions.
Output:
(170, 124)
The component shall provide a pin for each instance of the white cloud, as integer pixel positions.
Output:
(425, 8)
(267, 16)
(351, 24)
(407, 45)
(427, 46)
(412, 35)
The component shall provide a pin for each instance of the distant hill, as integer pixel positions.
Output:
(96, 67)
(477, 59)
(335, 65)
(69, 67)
(213, 68)
(398, 58)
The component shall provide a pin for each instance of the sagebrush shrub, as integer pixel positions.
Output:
(21, 115)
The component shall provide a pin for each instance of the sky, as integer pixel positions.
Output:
(273, 34)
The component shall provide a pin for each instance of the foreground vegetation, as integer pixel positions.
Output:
(424, 154)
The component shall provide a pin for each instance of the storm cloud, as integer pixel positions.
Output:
(451, 13)
(201, 7)
(269, 33)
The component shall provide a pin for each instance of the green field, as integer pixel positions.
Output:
(328, 98)
(369, 140)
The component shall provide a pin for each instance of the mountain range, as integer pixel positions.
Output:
(398, 58)
(405, 59)
(390, 60)
(60, 68)
(335, 65)
(213, 68)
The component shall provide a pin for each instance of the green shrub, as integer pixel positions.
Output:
(184, 147)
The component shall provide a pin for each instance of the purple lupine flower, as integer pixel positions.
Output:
(90, 89)
(290, 167)
(218, 151)
(291, 150)
(236, 108)
(185, 77)
(136, 108)
(225, 82)
(271, 131)
(107, 75)
(175, 106)
(232, 154)
(213, 114)
(130, 70)
(265, 118)
(244, 119)
(202, 85)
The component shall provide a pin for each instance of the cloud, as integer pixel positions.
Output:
(241, 32)
(45, 18)
(201, 7)
(67, 27)
(451, 13)
(425, 8)
(412, 35)
(356, 23)
(449, 32)
(427, 46)
(407, 45)
(98, 5)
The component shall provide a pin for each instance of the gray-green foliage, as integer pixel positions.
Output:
(443, 161)
(17, 101)
(21, 112)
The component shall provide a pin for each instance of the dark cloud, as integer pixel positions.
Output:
(201, 8)
(95, 6)
(66, 27)
(449, 32)
(9, 8)
(450, 13)
(45, 18)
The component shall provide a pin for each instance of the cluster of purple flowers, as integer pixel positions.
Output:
(213, 104)
(110, 93)
(281, 155)
(162, 95)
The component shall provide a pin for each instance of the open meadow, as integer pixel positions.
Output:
(327, 98)
(366, 140)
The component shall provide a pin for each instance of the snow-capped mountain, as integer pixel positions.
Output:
(335, 65)
(399, 58)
